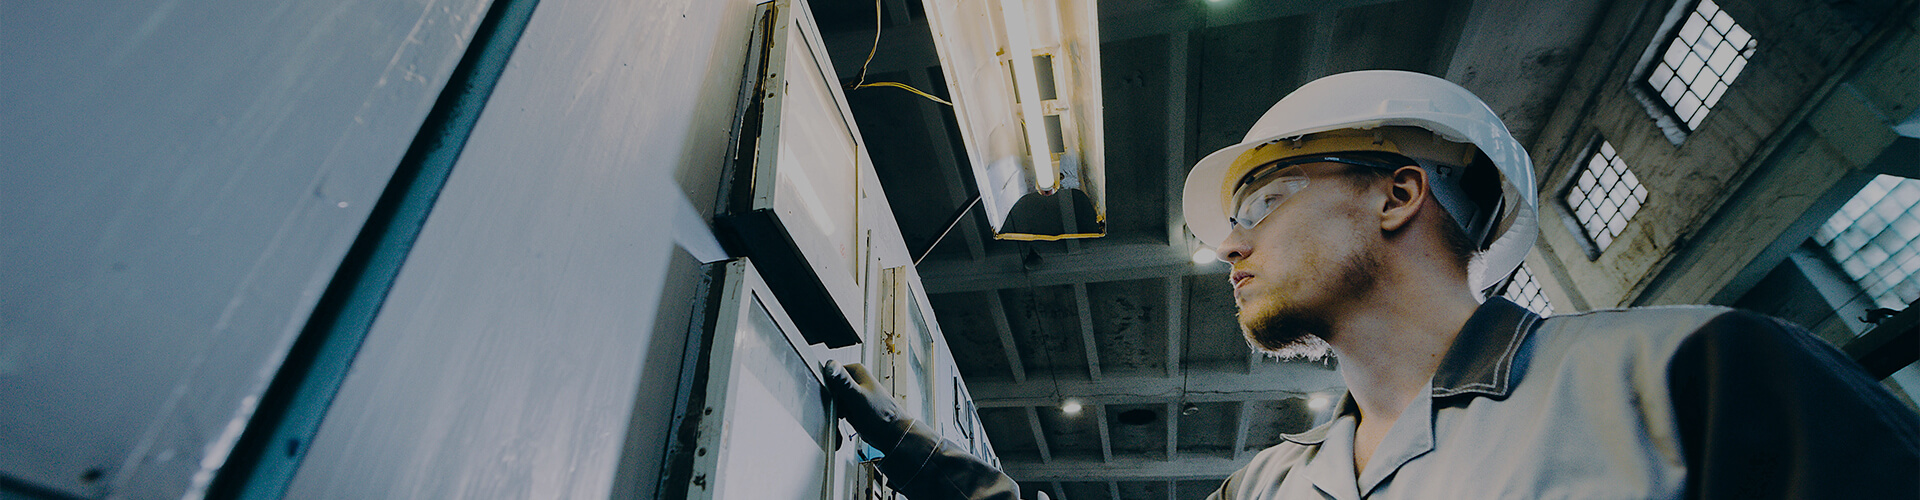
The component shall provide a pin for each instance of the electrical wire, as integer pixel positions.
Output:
(870, 52)
(861, 82)
(905, 87)
(954, 222)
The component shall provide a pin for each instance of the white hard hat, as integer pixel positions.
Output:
(1366, 100)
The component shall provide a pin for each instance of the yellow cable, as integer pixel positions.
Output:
(861, 82)
(904, 87)
(876, 45)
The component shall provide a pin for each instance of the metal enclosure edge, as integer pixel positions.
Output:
(269, 452)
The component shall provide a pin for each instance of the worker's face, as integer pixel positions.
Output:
(1307, 257)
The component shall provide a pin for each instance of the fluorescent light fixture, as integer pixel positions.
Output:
(1025, 80)
(1027, 89)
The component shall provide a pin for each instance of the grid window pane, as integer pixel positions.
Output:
(1607, 196)
(1704, 56)
(1876, 239)
(1525, 290)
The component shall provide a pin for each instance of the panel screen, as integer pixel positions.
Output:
(777, 424)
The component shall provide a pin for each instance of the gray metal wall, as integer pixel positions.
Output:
(181, 179)
(508, 356)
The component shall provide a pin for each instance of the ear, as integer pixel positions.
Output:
(1406, 194)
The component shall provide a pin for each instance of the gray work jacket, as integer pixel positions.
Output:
(1668, 402)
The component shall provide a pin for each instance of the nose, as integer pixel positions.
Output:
(1235, 247)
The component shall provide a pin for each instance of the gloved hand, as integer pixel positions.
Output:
(866, 406)
(918, 463)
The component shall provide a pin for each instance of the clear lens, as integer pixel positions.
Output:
(1272, 184)
(1254, 200)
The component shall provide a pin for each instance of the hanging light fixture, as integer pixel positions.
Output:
(1204, 256)
(1319, 402)
(1025, 81)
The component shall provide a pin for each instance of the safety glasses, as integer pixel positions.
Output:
(1265, 187)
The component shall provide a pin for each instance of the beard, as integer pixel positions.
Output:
(1287, 329)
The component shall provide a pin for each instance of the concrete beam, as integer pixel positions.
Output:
(1125, 24)
(1106, 439)
(1240, 426)
(1039, 435)
(1095, 264)
(897, 13)
(1199, 467)
(1087, 340)
(1180, 125)
(1273, 381)
(998, 311)
(902, 48)
(933, 114)
(1321, 53)
(1113, 490)
(1173, 430)
(1176, 322)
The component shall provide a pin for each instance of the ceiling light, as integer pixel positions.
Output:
(1026, 87)
(1071, 407)
(1205, 256)
(1319, 402)
(1189, 409)
(1025, 81)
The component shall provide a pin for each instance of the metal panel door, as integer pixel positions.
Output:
(792, 201)
(765, 431)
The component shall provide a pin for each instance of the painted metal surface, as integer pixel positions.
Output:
(765, 429)
(795, 201)
(519, 353)
(181, 181)
(269, 452)
(752, 404)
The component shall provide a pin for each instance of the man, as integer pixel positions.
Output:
(1367, 213)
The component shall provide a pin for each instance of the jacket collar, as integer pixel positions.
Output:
(1482, 359)
(1485, 359)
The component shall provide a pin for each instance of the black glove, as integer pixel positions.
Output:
(918, 463)
(866, 406)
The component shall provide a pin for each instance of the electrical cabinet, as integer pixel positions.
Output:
(755, 421)
(792, 198)
(764, 426)
(824, 274)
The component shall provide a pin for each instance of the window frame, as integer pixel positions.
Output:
(1513, 280)
(1665, 117)
(1571, 215)
(1864, 288)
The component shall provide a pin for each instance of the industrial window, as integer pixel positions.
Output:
(1873, 239)
(1605, 196)
(1525, 290)
(1706, 53)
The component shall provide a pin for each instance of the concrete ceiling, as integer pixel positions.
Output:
(1127, 322)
